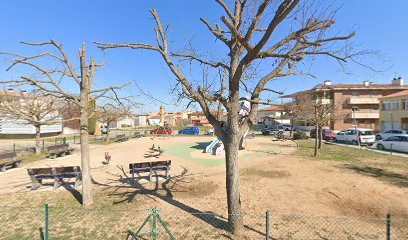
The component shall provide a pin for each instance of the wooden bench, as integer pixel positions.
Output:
(11, 164)
(150, 167)
(59, 150)
(56, 173)
(139, 135)
(121, 138)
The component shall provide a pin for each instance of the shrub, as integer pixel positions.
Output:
(300, 135)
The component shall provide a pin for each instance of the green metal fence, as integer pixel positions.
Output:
(56, 222)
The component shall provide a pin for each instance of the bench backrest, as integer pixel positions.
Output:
(149, 164)
(7, 155)
(55, 170)
(57, 147)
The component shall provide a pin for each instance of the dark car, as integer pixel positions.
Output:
(326, 134)
(274, 128)
(189, 130)
(161, 130)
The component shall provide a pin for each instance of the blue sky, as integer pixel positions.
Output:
(380, 25)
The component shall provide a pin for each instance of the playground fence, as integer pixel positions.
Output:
(182, 222)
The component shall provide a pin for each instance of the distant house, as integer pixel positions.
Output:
(140, 120)
(198, 118)
(394, 111)
(272, 115)
(12, 126)
(154, 121)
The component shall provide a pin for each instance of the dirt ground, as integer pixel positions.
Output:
(272, 177)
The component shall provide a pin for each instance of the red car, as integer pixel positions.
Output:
(326, 133)
(161, 130)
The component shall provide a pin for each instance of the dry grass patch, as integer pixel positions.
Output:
(255, 172)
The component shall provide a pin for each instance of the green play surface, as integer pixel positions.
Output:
(184, 151)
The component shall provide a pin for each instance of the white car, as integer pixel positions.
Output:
(389, 133)
(355, 136)
(395, 143)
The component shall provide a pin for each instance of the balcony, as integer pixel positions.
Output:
(374, 114)
(364, 100)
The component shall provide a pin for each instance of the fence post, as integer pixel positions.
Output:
(14, 147)
(388, 225)
(154, 224)
(267, 225)
(43, 145)
(46, 221)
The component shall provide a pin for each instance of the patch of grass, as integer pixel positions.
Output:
(254, 172)
(387, 168)
(343, 153)
(382, 174)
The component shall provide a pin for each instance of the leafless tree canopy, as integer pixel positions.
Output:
(251, 31)
(51, 80)
(275, 36)
(33, 107)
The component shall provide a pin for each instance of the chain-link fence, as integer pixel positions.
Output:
(56, 222)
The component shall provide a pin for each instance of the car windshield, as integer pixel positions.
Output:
(365, 133)
(326, 131)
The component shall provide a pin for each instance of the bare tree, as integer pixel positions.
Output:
(50, 80)
(110, 112)
(317, 109)
(251, 37)
(33, 108)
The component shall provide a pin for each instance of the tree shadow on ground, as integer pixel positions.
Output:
(77, 195)
(200, 145)
(131, 188)
(381, 174)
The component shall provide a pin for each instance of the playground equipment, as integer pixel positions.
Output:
(209, 148)
(218, 148)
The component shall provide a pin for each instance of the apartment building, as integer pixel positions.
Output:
(394, 111)
(275, 114)
(355, 105)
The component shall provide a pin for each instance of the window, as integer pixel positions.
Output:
(390, 105)
(404, 104)
(394, 139)
(366, 133)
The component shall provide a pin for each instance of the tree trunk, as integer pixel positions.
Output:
(87, 199)
(232, 183)
(107, 133)
(291, 128)
(316, 148)
(85, 160)
(231, 145)
(37, 140)
(320, 135)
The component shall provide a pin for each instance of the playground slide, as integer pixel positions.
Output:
(210, 147)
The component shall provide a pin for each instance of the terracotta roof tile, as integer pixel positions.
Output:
(398, 94)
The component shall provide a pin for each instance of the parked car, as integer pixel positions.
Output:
(209, 132)
(161, 130)
(389, 133)
(287, 127)
(273, 128)
(327, 134)
(395, 143)
(355, 136)
(189, 130)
